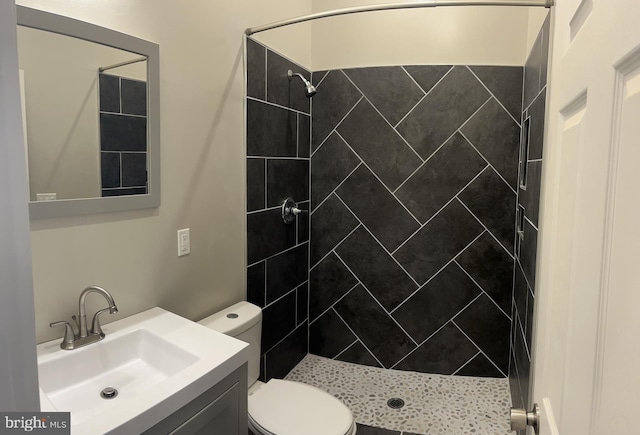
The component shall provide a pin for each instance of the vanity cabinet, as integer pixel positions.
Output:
(220, 410)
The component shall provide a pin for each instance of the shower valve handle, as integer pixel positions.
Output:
(290, 210)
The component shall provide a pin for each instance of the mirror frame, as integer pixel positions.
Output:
(41, 20)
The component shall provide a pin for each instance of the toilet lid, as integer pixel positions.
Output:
(292, 408)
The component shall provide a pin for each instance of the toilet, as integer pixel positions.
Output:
(280, 407)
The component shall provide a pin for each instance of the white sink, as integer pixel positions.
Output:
(148, 358)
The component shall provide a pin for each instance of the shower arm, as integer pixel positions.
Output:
(389, 6)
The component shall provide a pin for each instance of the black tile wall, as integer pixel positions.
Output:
(534, 90)
(335, 98)
(256, 70)
(272, 131)
(109, 93)
(256, 184)
(134, 97)
(287, 179)
(123, 135)
(330, 166)
(330, 280)
(110, 169)
(443, 353)
(413, 221)
(278, 165)
(451, 168)
(378, 144)
(378, 271)
(358, 354)
(329, 335)
(390, 89)
(441, 113)
(373, 325)
(280, 89)
(134, 169)
(287, 271)
(285, 355)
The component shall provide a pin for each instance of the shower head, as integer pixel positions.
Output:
(309, 89)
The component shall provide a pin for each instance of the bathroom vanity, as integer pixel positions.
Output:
(222, 409)
(154, 372)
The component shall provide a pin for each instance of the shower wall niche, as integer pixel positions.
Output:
(413, 195)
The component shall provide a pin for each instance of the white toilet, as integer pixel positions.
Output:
(280, 407)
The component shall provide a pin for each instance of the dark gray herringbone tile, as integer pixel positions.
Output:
(336, 96)
(497, 137)
(330, 165)
(379, 145)
(441, 178)
(377, 208)
(443, 111)
(388, 88)
(376, 269)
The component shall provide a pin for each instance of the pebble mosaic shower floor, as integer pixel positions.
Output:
(434, 404)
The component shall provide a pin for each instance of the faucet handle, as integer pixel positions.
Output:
(95, 324)
(69, 335)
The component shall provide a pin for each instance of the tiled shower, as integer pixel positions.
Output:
(410, 175)
(413, 218)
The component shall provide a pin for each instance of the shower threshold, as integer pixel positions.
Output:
(431, 404)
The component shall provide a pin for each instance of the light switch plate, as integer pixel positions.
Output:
(184, 242)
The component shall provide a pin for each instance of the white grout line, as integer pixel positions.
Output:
(381, 182)
(402, 67)
(346, 348)
(356, 335)
(463, 365)
(530, 223)
(334, 248)
(436, 331)
(441, 208)
(334, 130)
(480, 287)
(378, 241)
(275, 207)
(410, 110)
(336, 188)
(390, 316)
(438, 272)
(488, 162)
(426, 93)
(323, 77)
(534, 98)
(493, 95)
(484, 226)
(283, 339)
(295, 289)
(337, 300)
(269, 103)
(478, 347)
(383, 117)
(280, 252)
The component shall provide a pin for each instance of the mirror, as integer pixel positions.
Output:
(91, 116)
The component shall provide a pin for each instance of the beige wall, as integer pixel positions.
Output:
(134, 255)
(443, 35)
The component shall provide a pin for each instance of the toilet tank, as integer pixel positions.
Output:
(244, 322)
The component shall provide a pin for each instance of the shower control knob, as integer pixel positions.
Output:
(290, 210)
(520, 419)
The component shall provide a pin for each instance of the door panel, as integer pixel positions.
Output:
(585, 353)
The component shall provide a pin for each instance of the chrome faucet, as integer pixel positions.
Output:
(72, 340)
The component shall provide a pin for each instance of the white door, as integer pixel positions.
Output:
(586, 369)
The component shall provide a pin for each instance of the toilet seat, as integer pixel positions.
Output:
(282, 407)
